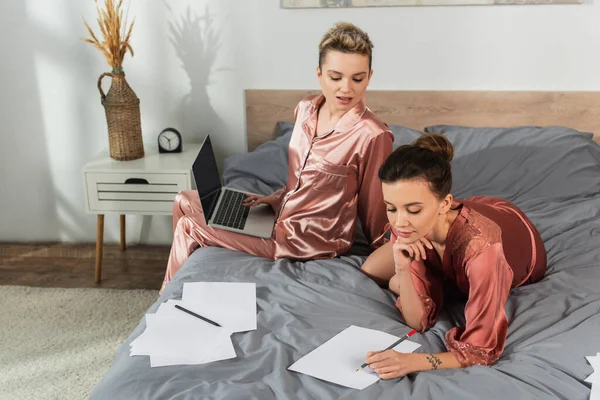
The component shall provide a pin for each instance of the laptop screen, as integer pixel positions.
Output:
(207, 178)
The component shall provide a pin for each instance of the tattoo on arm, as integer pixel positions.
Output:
(434, 361)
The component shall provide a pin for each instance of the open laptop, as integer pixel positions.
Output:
(222, 206)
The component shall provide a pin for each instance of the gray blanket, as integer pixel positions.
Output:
(552, 174)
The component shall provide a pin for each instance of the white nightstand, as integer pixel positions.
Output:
(146, 186)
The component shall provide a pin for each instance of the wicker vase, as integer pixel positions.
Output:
(122, 109)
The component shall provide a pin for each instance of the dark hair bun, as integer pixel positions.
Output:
(436, 143)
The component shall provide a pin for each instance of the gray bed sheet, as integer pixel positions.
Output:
(554, 324)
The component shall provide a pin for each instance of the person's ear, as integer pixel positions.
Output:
(370, 74)
(318, 71)
(446, 204)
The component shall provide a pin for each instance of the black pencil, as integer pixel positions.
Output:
(197, 316)
(391, 346)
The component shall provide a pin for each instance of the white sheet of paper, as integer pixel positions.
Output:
(337, 359)
(172, 335)
(169, 309)
(595, 393)
(167, 312)
(230, 304)
(226, 352)
(594, 361)
(594, 378)
(161, 307)
(181, 337)
(159, 330)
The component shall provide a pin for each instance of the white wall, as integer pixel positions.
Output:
(53, 122)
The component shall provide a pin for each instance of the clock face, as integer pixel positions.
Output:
(168, 140)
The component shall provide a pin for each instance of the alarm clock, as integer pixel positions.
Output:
(169, 141)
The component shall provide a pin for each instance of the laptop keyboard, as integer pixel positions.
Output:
(232, 213)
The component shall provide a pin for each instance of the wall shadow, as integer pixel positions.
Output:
(196, 41)
(27, 195)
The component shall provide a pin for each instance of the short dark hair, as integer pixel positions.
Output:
(427, 158)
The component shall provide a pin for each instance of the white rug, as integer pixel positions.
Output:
(58, 343)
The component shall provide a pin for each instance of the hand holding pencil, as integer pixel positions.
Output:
(396, 343)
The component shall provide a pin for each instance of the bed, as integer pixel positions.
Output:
(536, 149)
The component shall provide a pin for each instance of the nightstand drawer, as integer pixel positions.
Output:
(134, 192)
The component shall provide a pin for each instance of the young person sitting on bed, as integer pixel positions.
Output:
(478, 248)
(335, 149)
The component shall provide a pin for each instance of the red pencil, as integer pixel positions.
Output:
(391, 346)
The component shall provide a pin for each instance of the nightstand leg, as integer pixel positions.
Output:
(123, 246)
(99, 245)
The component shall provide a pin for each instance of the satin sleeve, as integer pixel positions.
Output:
(428, 285)
(371, 209)
(482, 341)
(279, 194)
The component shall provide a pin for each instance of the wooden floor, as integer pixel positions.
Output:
(72, 266)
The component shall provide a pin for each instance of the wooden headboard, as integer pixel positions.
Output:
(418, 109)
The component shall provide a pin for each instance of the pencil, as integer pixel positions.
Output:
(196, 315)
(391, 346)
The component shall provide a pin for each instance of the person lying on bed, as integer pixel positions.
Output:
(477, 249)
(335, 149)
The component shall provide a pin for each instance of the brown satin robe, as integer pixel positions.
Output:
(490, 248)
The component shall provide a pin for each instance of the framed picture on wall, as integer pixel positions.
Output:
(392, 3)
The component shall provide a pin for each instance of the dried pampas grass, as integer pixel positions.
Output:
(115, 35)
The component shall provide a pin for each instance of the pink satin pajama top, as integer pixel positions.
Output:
(332, 179)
